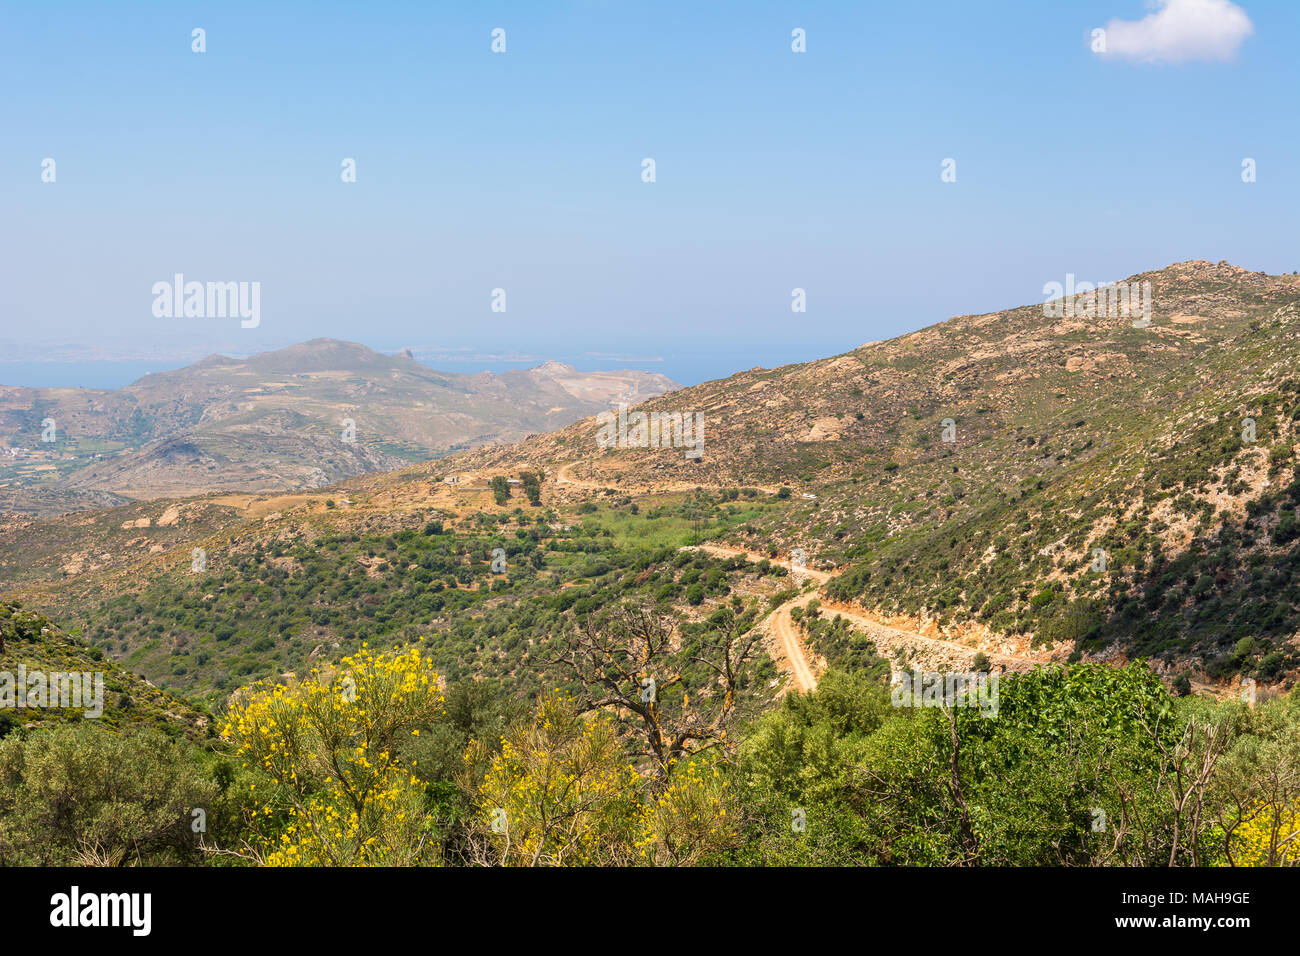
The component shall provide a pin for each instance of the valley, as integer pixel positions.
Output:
(1074, 511)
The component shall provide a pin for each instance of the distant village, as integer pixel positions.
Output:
(44, 452)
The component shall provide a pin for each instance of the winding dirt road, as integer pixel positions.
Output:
(779, 623)
(723, 551)
(788, 641)
(784, 630)
(564, 476)
(889, 637)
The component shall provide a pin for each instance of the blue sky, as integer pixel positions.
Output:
(522, 170)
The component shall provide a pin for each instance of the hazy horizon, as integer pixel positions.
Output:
(110, 362)
(112, 373)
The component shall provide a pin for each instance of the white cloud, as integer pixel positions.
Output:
(1180, 31)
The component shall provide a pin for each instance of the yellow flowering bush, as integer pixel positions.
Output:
(339, 794)
(560, 792)
(1269, 837)
(694, 816)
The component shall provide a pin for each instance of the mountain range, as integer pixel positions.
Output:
(297, 418)
(1090, 487)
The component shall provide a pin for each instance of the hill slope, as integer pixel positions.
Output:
(1165, 455)
(1108, 491)
(31, 645)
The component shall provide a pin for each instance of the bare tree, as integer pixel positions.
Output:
(1186, 769)
(671, 699)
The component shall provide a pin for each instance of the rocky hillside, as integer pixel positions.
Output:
(1130, 489)
(298, 418)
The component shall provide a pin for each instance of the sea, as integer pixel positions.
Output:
(685, 368)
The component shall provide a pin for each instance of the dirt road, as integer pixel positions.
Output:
(779, 623)
(787, 635)
(564, 476)
(929, 652)
(722, 551)
(938, 651)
